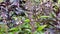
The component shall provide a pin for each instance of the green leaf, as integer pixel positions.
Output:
(44, 16)
(15, 18)
(40, 28)
(13, 29)
(11, 33)
(1, 33)
(26, 26)
(53, 15)
(27, 20)
(28, 30)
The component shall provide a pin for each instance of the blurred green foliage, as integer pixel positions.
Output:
(25, 28)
